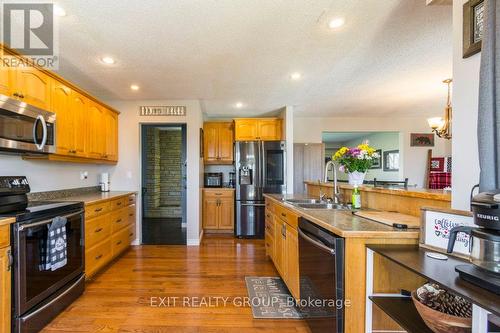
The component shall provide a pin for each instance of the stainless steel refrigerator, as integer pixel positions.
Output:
(260, 168)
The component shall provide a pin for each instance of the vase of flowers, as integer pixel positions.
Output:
(355, 162)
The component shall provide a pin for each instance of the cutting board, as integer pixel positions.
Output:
(390, 218)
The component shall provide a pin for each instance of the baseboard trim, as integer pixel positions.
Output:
(194, 242)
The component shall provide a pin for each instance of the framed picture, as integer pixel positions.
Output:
(422, 139)
(202, 143)
(435, 227)
(473, 27)
(391, 160)
(437, 164)
(377, 162)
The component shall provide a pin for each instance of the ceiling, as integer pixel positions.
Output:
(388, 59)
(341, 137)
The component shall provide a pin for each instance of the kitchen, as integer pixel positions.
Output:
(88, 138)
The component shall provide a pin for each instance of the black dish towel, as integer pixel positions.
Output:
(54, 254)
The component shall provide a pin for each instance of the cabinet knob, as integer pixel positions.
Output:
(21, 96)
(15, 94)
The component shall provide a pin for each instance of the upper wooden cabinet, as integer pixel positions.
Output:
(218, 143)
(110, 135)
(96, 131)
(61, 97)
(251, 129)
(33, 87)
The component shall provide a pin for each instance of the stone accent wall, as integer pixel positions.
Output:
(164, 173)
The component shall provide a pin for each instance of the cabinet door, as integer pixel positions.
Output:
(110, 135)
(6, 79)
(226, 214)
(292, 261)
(279, 246)
(65, 124)
(211, 143)
(96, 138)
(226, 143)
(34, 87)
(269, 130)
(79, 107)
(245, 129)
(210, 213)
(5, 290)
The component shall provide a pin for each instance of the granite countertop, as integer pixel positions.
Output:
(6, 220)
(219, 189)
(93, 197)
(343, 223)
(409, 192)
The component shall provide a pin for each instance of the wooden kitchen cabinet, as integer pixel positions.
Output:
(95, 133)
(218, 143)
(6, 79)
(5, 279)
(61, 96)
(110, 135)
(109, 229)
(33, 87)
(292, 260)
(218, 210)
(251, 129)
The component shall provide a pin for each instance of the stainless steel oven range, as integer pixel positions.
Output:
(39, 293)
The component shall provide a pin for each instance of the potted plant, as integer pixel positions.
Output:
(355, 162)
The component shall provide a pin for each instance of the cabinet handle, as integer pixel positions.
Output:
(268, 216)
(119, 203)
(118, 243)
(118, 221)
(98, 257)
(21, 96)
(10, 260)
(98, 230)
(131, 234)
(97, 210)
(15, 94)
(218, 193)
(131, 214)
(283, 214)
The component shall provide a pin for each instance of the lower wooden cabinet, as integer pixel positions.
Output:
(109, 230)
(5, 279)
(218, 210)
(282, 244)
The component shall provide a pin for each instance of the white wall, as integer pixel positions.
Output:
(413, 159)
(465, 111)
(49, 176)
(127, 173)
(288, 120)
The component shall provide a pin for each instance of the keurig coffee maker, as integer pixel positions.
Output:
(484, 269)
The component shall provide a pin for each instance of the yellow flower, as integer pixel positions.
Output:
(340, 153)
(366, 147)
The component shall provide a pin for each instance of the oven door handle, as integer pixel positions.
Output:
(316, 243)
(35, 224)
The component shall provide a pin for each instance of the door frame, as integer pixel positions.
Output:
(143, 167)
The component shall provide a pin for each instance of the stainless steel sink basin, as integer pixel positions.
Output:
(302, 201)
(321, 205)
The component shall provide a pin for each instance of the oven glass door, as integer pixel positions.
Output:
(33, 283)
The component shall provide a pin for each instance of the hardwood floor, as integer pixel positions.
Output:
(119, 299)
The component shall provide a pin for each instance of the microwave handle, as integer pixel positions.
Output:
(44, 135)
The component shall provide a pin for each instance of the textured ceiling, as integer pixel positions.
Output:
(389, 58)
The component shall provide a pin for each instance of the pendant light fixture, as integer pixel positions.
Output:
(442, 126)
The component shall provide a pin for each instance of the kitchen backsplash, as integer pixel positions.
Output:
(51, 195)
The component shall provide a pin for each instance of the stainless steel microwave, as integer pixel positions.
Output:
(25, 128)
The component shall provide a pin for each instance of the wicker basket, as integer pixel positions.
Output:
(440, 322)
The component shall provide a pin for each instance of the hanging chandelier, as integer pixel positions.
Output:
(442, 125)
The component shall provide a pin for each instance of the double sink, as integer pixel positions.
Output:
(310, 204)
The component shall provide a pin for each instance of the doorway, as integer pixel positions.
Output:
(163, 154)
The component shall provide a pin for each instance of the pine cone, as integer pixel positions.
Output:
(436, 298)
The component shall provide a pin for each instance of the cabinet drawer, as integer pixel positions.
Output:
(269, 223)
(97, 230)
(120, 241)
(96, 209)
(97, 256)
(287, 215)
(269, 244)
(4, 235)
(270, 206)
(131, 214)
(131, 233)
(119, 219)
(218, 193)
(119, 203)
(131, 199)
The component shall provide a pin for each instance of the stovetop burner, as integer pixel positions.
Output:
(479, 277)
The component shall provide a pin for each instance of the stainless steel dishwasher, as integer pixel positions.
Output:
(321, 266)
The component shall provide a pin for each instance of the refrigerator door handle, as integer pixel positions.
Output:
(257, 205)
(262, 166)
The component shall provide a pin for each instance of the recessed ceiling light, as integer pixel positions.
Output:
(336, 23)
(134, 87)
(239, 105)
(108, 60)
(59, 11)
(296, 76)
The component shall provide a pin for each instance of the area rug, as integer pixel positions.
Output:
(270, 299)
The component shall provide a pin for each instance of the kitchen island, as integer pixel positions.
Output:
(406, 201)
(282, 246)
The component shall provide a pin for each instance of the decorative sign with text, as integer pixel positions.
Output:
(167, 110)
(436, 226)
